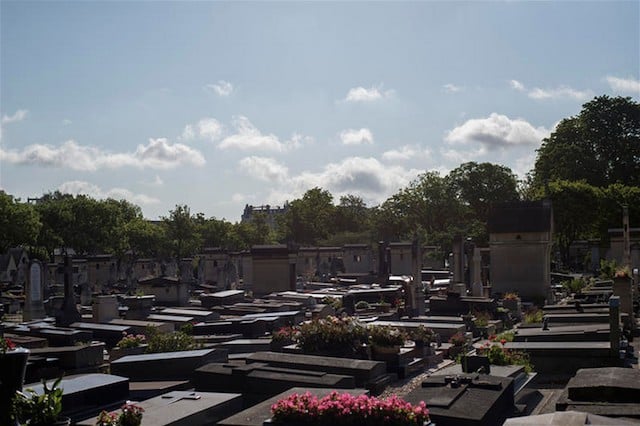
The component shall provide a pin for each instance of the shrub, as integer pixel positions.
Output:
(345, 409)
(38, 410)
(170, 342)
(285, 334)
(499, 355)
(331, 334)
(510, 296)
(333, 301)
(421, 333)
(575, 285)
(533, 316)
(381, 335)
(481, 318)
(458, 339)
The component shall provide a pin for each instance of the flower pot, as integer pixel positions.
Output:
(384, 353)
(454, 351)
(13, 365)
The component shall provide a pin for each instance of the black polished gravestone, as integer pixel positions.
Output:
(185, 408)
(258, 381)
(166, 365)
(68, 314)
(86, 395)
(610, 391)
(466, 400)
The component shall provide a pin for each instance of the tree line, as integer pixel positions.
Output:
(589, 167)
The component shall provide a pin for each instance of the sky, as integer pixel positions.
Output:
(220, 104)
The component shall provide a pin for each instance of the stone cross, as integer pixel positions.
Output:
(69, 312)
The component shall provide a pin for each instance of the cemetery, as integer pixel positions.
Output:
(229, 348)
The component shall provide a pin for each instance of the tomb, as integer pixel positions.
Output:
(166, 365)
(273, 269)
(220, 298)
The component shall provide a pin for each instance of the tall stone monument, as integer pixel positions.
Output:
(33, 303)
(69, 312)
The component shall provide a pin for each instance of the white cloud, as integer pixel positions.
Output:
(497, 131)
(361, 94)
(406, 152)
(356, 136)
(515, 84)
(263, 168)
(221, 88)
(157, 154)
(76, 187)
(365, 177)
(19, 115)
(459, 156)
(452, 88)
(560, 93)
(207, 128)
(238, 198)
(248, 137)
(623, 85)
(66, 122)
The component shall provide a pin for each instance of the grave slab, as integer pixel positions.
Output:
(87, 394)
(196, 314)
(110, 334)
(166, 365)
(74, 357)
(140, 326)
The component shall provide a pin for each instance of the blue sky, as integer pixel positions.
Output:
(220, 104)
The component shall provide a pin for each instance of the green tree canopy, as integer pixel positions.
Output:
(19, 223)
(601, 145)
(310, 218)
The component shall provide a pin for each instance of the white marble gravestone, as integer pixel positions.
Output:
(33, 303)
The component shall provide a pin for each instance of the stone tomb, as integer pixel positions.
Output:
(56, 336)
(166, 365)
(259, 381)
(566, 357)
(240, 346)
(612, 392)
(78, 358)
(259, 413)
(186, 408)
(466, 400)
(110, 334)
(366, 373)
(220, 298)
(86, 395)
(195, 314)
(445, 330)
(567, 333)
(140, 326)
(248, 328)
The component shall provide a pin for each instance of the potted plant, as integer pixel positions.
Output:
(13, 365)
(283, 337)
(130, 415)
(385, 341)
(458, 343)
(40, 409)
(130, 344)
(421, 335)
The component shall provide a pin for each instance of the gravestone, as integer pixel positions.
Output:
(33, 304)
(105, 308)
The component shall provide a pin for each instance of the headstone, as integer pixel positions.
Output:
(85, 294)
(33, 304)
(105, 308)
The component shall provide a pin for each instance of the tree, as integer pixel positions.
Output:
(309, 218)
(601, 145)
(180, 228)
(146, 239)
(352, 214)
(19, 223)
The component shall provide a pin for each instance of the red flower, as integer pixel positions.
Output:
(503, 341)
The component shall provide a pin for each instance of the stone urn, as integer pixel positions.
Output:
(13, 365)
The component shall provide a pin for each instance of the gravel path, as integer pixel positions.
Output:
(404, 386)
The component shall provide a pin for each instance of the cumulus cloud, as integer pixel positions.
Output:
(206, 128)
(452, 88)
(19, 115)
(497, 131)
(623, 85)
(157, 154)
(356, 136)
(372, 94)
(238, 198)
(515, 84)
(561, 92)
(76, 187)
(404, 153)
(221, 88)
(365, 177)
(247, 137)
(263, 168)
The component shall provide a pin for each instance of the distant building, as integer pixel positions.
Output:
(270, 213)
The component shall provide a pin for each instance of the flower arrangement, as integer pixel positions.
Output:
(458, 339)
(285, 334)
(624, 272)
(511, 296)
(131, 415)
(131, 341)
(421, 333)
(481, 318)
(6, 345)
(169, 342)
(331, 334)
(380, 335)
(345, 409)
(499, 355)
